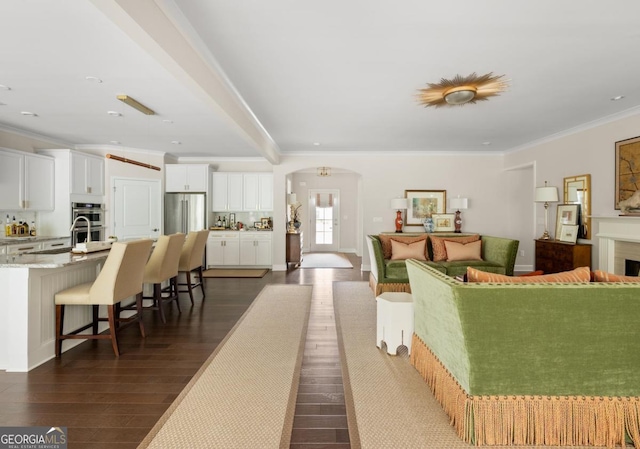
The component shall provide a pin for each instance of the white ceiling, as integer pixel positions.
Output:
(270, 78)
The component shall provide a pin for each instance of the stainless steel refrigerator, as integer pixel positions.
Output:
(184, 212)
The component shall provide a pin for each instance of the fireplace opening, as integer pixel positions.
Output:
(631, 267)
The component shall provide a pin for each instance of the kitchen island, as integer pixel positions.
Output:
(27, 323)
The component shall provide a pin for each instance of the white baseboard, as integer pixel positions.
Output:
(523, 268)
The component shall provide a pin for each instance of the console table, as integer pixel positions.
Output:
(294, 248)
(553, 256)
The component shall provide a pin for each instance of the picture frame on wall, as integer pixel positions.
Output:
(423, 203)
(627, 169)
(569, 233)
(566, 214)
(444, 222)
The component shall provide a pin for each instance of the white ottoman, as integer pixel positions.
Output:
(395, 320)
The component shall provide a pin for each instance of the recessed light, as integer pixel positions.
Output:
(617, 97)
(114, 113)
(176, 142)
(93, 79)
(3, 87)
(317, 144)
(167, 121)
(115, 142)
(486, 143)
(30, 114)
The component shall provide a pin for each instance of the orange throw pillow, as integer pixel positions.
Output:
(402, 251)
(463, 251)
(603, 276)
(440, 251)
(582, 274)
(385, 240)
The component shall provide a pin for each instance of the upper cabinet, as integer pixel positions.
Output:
(226, 192)
(258, 191)
(242, 192)
(87, 174)
(187, 177)
(27, 181)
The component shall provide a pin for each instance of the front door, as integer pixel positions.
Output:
(324, 217)
(137, 208)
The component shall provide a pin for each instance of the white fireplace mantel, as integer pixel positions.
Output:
(612, 229)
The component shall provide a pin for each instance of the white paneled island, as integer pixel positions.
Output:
(27, 323)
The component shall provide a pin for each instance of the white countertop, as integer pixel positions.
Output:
(48, 260)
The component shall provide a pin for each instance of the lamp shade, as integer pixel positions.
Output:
(291, 199)
(546, 194)
(458, 203)
(399, 203)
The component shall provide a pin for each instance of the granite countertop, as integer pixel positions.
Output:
(27, 260)
(18, 240)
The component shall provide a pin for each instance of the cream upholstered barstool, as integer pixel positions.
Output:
(163, 266)
(191, 259)
(120, 278)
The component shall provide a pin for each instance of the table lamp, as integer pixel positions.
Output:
(399, 204)
(458, 204)
(291, 201)
(546, 195)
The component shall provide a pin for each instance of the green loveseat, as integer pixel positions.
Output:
(543, 364)
(498, 256)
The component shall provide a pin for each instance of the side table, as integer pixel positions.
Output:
(394, 320)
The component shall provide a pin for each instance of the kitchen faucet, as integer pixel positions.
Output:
(73, 225)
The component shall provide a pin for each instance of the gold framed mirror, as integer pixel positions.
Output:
(577, 190)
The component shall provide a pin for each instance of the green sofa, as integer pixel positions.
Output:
(544, 364)
(498, 256)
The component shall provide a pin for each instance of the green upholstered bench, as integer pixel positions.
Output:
(542, 364)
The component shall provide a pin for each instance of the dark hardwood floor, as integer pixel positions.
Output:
(113, 403)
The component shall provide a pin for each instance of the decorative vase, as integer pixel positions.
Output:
(297, 224)
(428, 224)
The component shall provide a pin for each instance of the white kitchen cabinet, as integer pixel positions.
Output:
(28, 181)
(226, 192)
(23, 247)
(223, 248)
(187, 177)
(257, 191)
(87, 174)
(56, 243)
(255, 248)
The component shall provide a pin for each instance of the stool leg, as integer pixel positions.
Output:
(157, 299)
(94, 328)
(139, 312)
(112, 329)
(201, 281)
(173, 289)
(59, 325)
(189, 287)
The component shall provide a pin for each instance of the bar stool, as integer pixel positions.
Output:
(120, 278)
(163, 266)
(191, 259)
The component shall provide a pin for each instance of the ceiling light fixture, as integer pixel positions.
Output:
(114, 113)
(93, 79)
(462, 90)
(29, 114)
(617, 97)
(176, 142)
(324, 171)
(3, 87)
(135, 104)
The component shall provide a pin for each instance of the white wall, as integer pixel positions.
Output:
(585, 151)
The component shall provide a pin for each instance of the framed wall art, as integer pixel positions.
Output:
(444, 222)
(569, 233)
(567, 214)
(627, 169)
(424, 203)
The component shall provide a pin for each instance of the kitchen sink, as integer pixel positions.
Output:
(53, 251)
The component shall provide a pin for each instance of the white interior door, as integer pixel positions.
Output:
(137, 211)
(324, 218)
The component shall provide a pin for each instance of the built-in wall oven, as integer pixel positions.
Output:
(87, 218)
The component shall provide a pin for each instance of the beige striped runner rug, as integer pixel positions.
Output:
(389, 405)
(244, 395)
